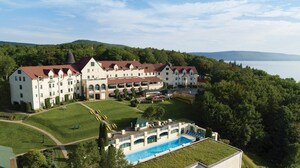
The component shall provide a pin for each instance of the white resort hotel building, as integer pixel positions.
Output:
(92, 79)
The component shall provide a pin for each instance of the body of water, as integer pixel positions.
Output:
(142, 154)
(285, 69)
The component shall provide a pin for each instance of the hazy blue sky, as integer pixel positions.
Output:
(190, 25)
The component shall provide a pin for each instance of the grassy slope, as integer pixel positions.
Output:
(22, 138)
(207, 152)
(117, 112)
(175, 109)
(60, 123)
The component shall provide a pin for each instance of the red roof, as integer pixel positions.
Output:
(133, 79)
(153, 67)
(34, 71)
(187, 68)
(121, 64)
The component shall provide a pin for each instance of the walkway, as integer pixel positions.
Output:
(105, 122)
(58, 143)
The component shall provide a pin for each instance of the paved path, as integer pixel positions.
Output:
(105, 122)
(58, 143)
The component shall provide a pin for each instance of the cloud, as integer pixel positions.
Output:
(178, 25)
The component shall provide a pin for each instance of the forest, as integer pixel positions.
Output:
(255, 111)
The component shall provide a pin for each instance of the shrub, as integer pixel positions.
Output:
(133, 103)
(28, 107)
(120, 98)
(47, 103)
(208, 133)
(23, 106)
(67, 98)
(57, 100)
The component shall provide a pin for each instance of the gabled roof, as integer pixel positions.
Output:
(153, 67)
(79, 65)
(6, 153)
(140, 120)
(109, 65)
(187, 68)
(35, 71)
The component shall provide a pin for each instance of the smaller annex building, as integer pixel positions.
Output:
(92, 79)
(7, 157)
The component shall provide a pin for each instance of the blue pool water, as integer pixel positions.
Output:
(133, 157)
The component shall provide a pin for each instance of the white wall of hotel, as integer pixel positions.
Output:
(87, 82)
(35, 91)
(176, 78)
(140, 140)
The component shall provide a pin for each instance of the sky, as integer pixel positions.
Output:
(187, 26)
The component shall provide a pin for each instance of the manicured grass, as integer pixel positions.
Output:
(60, 123)
(175, 109)
(117, 112)
(207, 152)
(22, 138)
(18, 116)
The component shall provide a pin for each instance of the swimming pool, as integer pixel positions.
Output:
(133, 157)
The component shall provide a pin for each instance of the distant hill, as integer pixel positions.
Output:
(248, 56)
(97, 43)
(74, 42)
(17, 43)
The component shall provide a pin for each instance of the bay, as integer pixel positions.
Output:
(285, 69)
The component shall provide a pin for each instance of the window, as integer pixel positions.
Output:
(167, 69)
(19, 71)
(131, 74)
(88, 70)
(88, 77)
(167, 73)
(116, 75)
(123, 74)
(191, 78)
(35, 95)
(103, 87)
(139, 74)
(41, 86)
(71, 82)
(91, 88)
(61, 91)
(176, 73)
(61, 83)
(68, 89)
(97, 87)
(41, 94)
(77, 88)
(183, 73)
(50, 93)
(167, 78)
(71, 89)
(21, 95)
(20, 87)
(20, 78)
(158, 73)
(175, 78)
(35, 87)
(92, 63)
(49, 85)
(16, 78)
(92, 76)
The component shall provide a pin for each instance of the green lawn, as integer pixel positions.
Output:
(117, 112)
(175, 109)
(207, 152)
(22, 138)
(60, 123)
